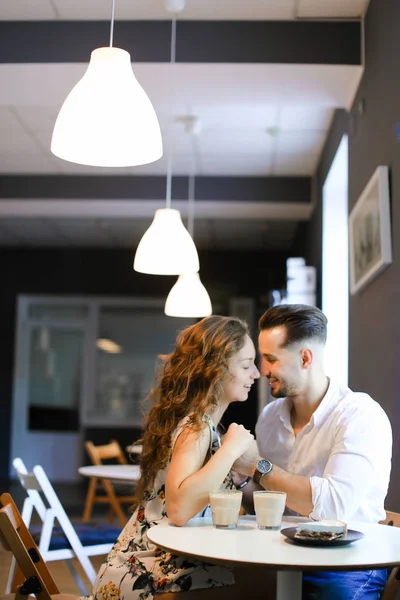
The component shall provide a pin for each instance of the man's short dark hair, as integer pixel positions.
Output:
(301, 322)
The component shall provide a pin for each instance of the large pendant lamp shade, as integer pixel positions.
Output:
(107, 120)
(188, 298)
(166, 247)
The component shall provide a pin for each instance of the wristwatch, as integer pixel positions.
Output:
(263, 467)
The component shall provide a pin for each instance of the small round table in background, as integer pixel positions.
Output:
(120, 473)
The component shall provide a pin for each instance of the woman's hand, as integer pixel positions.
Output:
(191, 477)
(237, 439)
(237, 478)
(246, 461)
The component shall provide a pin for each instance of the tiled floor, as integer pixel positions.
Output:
(72, 496)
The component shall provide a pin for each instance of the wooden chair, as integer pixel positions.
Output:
(57, 537)
(15, 538)
(392, 586)
(97, 455)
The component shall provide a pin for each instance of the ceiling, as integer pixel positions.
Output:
(194, 10)
(257, 120)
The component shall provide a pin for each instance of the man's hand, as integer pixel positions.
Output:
(246, 462)
(297, 487)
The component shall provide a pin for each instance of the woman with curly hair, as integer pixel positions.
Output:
(183, 459)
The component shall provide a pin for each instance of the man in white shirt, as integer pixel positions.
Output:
(327, 447)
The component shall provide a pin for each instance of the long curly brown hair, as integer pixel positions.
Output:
(189, 382)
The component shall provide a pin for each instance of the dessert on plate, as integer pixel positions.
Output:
(326, 529)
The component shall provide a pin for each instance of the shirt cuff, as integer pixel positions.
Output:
(317, 494)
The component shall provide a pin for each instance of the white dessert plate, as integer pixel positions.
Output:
(352, 536)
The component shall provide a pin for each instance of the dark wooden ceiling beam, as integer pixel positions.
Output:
(284, 42)
(125, 187)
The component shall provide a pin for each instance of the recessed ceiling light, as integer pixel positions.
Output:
(273, 131)
(108, 346)
(191, 123)
(175, 6)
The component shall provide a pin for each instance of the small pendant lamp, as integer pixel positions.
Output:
(167, 247)
(107, 120)
(188, 297)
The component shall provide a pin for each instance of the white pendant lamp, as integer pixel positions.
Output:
(107, 120)
(188, 297)
(166, 248)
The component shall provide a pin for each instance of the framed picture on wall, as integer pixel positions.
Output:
(370, 232)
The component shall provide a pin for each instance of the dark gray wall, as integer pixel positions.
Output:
(374, 324)
(374, 350)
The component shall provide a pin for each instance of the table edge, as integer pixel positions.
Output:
(276, 566)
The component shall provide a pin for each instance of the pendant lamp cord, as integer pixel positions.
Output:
(112, 23)
(173, 38)
(191, 205)
(169, 172)
(169, 183)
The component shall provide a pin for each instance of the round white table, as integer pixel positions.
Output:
(135, 449)
(109, 475)
(249, 545)
(120, 473)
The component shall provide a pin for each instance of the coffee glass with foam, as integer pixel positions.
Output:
(225, 508)
(269, 507)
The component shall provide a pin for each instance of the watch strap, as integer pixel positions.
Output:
(243, 484)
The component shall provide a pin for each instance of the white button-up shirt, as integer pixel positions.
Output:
(345, 449)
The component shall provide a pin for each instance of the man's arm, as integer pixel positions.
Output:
(297, 487)
(353, 466)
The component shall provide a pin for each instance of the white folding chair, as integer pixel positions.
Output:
(50, 510)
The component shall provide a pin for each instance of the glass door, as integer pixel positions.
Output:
(50, 383)
(54, 377)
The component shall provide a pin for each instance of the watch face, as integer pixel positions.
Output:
(264, 466)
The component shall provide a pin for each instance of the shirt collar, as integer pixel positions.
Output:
(284, 414)
(325, 405)
(317, 416)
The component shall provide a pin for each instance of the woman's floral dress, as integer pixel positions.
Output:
(136, 569)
